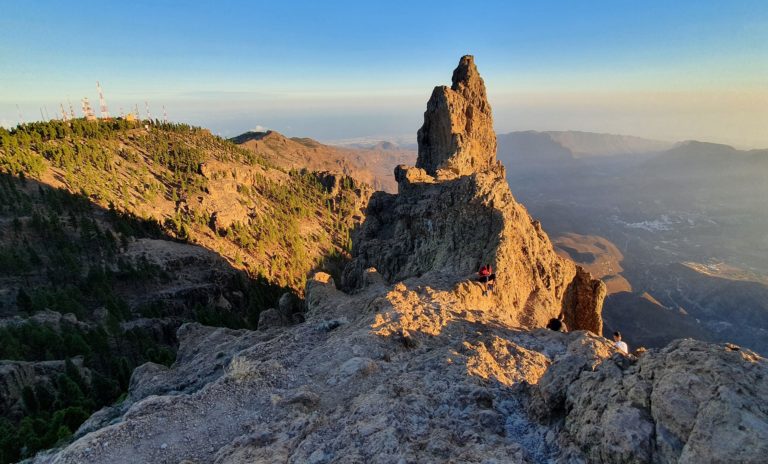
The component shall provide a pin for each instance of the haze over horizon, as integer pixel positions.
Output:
(344, 70)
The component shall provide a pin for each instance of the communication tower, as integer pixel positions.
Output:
(102, 102)
(87, 111)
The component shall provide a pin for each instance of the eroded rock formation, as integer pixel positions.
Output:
(457, 137)
(454, 212)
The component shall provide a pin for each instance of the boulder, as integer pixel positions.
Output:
(320, 288)
(289, 304)
(270, 318)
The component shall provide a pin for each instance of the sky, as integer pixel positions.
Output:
(353, 69)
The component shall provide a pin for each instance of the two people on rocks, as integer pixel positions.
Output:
(558, 325)
(487, 277)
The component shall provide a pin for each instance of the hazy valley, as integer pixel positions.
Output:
(686, 222)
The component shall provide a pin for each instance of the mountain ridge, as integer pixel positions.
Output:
(372, 165)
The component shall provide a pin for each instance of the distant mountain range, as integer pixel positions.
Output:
(577, 145)
(663, 205)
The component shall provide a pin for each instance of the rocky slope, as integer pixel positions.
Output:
(454, 212)
(86, 295)
(690, 402)
(271, 221)
(404, 373)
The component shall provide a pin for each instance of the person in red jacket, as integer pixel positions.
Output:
(486, 276)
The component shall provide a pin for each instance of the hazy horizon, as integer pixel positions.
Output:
(345, 70)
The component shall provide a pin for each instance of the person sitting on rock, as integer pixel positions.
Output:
(620, 345)
(557, 324)
(486, 276)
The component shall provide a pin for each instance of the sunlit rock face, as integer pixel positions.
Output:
(454, 212)
(457, 136)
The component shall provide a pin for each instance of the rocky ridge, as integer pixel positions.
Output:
(403, 374)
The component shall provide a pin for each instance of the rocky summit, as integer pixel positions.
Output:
(411, 362)
(457, 137)
(454, 212)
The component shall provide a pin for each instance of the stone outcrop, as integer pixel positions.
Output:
(336, 389)
(289, 311)
(691, 402)
(583, 296)
(457, 137)
(454, 212)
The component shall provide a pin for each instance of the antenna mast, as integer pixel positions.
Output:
(63, 113)
(87, 111)
(165, 115)
(102, 102)
(146, 105)
(71, 110)
(21, 118)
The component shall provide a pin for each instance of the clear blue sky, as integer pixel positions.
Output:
(333, 69)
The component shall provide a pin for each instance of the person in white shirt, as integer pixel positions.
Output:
(620, 345)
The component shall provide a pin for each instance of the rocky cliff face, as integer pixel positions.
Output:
(454, 212)
(15, 376)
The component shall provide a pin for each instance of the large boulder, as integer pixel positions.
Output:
(454, 212)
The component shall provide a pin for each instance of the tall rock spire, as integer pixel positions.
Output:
(454, 212)
(457, 137)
